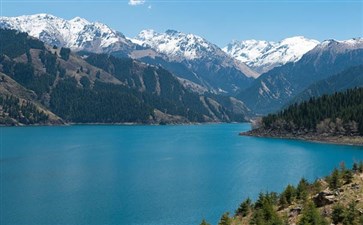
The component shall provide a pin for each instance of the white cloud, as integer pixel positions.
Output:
(149, 7)
(136, 2)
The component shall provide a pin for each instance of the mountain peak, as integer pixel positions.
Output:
(176, 44)
(339, 46)
(42, 16)
(77, 33)
(146, 34)
(172, 32)
(78, 19)
(297, 40)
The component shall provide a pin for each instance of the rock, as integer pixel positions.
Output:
(295, 211)
(355, 187)
(324, 198)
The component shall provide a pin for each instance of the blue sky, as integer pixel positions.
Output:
(217, 20)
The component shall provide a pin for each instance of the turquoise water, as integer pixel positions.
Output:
(155, 175)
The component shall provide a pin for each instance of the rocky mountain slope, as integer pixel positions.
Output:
(194, 58)
(276, 88)
(347, 79)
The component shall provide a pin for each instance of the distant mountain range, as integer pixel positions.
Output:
(277, 87)
(188, 56)
(98, 88)
(264, 76)
(262, 56)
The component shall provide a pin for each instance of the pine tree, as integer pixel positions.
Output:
(225, 219)
(204, 222)
(334, 180)
(311, 216)
(302, 189)
(245, 207)
(338, 214)
(352, 215)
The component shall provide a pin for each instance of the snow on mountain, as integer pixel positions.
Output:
(337, 46)
(77, 33)
(179, 46)
(262, 56)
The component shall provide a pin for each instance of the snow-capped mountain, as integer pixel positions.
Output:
(336, 46)
(262, 56)
(179, 46)
(279, 86)
(194, 58)
(77, 33)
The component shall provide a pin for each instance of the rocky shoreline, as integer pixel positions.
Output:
(306, 136)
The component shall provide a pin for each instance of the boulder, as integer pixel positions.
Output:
(324, 198)
(295, 211)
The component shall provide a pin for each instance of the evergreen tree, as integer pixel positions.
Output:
(311, 216)
(289, 194)
(334, 180)
(338, 214)
(302, 189)
(64, 53)
(204, 222)
(352, 215)
(225, 219)
(245, 207)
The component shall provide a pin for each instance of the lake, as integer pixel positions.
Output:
(148, 175)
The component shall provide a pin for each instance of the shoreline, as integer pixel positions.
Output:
(116, 124)
(314, 138)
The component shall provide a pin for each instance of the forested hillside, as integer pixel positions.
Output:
(336, 118)
(102, 88)
(340, 113)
